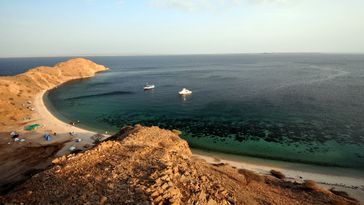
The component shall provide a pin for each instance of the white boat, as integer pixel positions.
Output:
(149, 87)
(185, 91)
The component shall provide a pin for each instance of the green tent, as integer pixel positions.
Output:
(31, 127)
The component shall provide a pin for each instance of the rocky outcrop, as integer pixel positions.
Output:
(48, 77)
(16, 91)
(149, 165)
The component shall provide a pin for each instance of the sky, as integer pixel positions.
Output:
(34, 28)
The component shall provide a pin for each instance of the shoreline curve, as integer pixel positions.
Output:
(51, 124)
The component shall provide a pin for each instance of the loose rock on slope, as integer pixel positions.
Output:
(149, 165)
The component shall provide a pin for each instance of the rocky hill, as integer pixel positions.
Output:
(149, 165)
(15, 91)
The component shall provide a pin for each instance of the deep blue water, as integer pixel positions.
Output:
(295, 107)
(13, 66)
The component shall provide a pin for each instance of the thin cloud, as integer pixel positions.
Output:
(272, 1)
(196, 5)
(188, 5)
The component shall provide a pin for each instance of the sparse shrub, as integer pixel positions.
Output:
(342, 194)
(97, 141)
(339, 193)
(76, 151)
(216, 159)
(277, 174)
(219, 164)
(251, 176)
(311, 185)
(177, 132)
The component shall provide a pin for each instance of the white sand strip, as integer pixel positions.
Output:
(343, 179)
(52, 125)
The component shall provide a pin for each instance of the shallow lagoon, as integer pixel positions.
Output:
(294, 107)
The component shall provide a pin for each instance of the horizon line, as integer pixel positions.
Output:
(182, 54)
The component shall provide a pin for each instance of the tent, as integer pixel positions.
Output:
(47, 137)
(14, 134)
(31, 127)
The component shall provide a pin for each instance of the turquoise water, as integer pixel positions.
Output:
(292, 107)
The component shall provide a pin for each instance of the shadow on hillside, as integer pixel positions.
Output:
(20, 160)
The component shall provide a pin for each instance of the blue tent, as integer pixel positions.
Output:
(47, 137)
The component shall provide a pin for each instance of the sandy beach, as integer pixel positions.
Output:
(63, 130)
(65, 135)
(348, 180)
(22, 105)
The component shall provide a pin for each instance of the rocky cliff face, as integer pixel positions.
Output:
(15, 91)
(148, 165)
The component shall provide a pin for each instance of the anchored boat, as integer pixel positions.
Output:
(185, 91)
(149, 87)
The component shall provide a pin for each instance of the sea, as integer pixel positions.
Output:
(304, 108)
